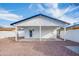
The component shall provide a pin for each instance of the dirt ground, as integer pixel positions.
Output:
(9, 47)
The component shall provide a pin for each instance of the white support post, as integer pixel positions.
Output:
(64, 33)
(57, 32)
(16, 34)
(65, 29)
(40, 33)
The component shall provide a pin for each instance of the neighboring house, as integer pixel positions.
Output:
(39, 26)
(71, 33)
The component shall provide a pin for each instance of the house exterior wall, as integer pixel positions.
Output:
(40, 20)
(36, 33)
(49, 32)
(62, 34)
(46, 32)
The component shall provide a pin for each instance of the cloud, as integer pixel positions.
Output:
(74, 8)
(68, 19)
(55, 5)
(6, 15)
(56, 12)
(38, 7)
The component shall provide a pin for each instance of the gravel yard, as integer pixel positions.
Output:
(9, 47)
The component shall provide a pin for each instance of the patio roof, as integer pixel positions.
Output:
(72, 25)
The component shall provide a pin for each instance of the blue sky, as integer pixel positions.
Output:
(12, 12)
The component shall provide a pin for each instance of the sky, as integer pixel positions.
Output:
(12, 12)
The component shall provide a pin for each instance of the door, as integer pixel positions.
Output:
(30, 33)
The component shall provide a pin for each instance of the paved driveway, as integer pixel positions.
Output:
(36, 48)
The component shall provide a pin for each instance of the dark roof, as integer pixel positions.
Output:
(36, 16)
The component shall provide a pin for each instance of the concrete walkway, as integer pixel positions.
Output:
(9, 47)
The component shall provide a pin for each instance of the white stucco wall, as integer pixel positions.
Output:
(49, 32)
(36, 33)
(62, 34)
(46, 32)
(6, 34)
(21, 33)
(72, 35)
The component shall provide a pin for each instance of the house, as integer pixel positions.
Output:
(39, 26)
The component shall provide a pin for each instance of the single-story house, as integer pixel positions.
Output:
(39, 26)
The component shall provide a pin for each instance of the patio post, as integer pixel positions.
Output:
(58, 32)
(16, 34)
(64, 33)
(40, 33)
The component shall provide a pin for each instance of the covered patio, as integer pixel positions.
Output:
(37, 33)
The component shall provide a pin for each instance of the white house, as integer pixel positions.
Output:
(38, 26)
